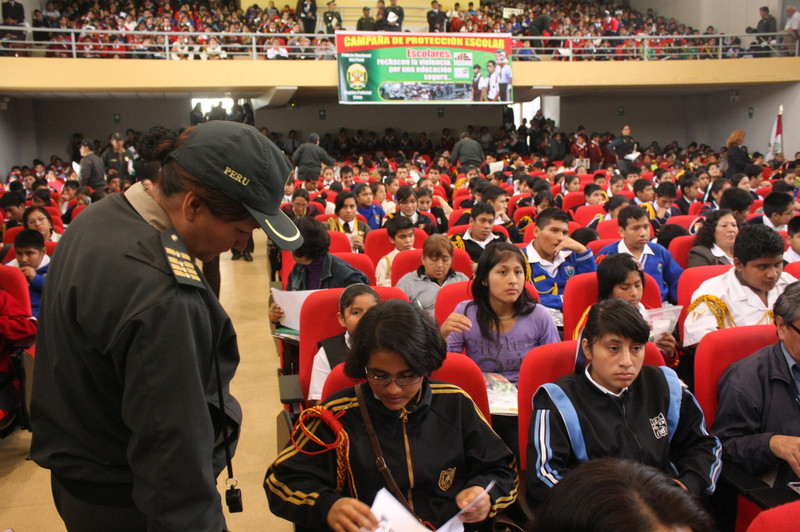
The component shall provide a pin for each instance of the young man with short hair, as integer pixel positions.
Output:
(778, 210)
(655, 260)
(690, 192)
(644, 191)
(662, 207)
(13, 205)
(479, 234)
(401, 235)
(33, 261)
(745, 294)
(738, 201)
(555, 257)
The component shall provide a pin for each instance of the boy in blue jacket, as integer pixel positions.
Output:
(634, 228)
(554, 257)
(33, 260)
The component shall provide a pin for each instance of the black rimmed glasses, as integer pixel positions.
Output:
(386, 381)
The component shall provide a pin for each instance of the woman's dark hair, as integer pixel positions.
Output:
(705, 235)
(614, 316)
(301, 193)
(316, 240)
(155, 145)
(670, 232)
(350, 294)
(42, 194)
(569, 179)
(488, 320)
(340, 197)
(614, 273)
(31, 210)
(405, 192)
(358, 187)
(612, 494)
(396, 326)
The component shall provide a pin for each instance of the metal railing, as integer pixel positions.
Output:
(83, 43)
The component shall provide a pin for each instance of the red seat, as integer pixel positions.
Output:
(597, 245)
(325, 217)
(318, 322)
(586, 213)
(456, 215)
(608, 229)
(548, 363)
(757, 204)
(689, 281)
(377, 243)
(512, 202)
(679, 249)
(715, 353)
(456, 369)
(793, 269)
(783, 518)
(77, 210)
(581, 293)
(522, 212)
(695, 207)
(11, 233)
(684, 221)
(763, 191)
(410, 260)
(572, 200)
(361, 262)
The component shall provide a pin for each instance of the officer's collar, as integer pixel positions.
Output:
(148, 209)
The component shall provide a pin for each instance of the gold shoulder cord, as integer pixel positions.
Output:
(717, 307)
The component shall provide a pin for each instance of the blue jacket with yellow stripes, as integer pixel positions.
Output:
(435, 449)
(551, 287)
(656, 421)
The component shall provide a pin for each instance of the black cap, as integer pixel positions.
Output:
(116, 136)
(247, 167)
(88, 143)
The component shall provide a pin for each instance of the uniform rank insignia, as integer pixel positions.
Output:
(659, 425)
(446, 477)
(180, 262)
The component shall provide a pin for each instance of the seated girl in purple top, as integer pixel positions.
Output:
(501, 323)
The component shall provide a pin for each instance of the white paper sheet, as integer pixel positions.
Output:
(291, 303)
(393, 516)
(455, 524)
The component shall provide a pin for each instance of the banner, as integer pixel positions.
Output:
(424, 68)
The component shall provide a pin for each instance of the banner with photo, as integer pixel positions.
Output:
(422, 68)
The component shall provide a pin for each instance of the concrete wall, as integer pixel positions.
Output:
(702, 117)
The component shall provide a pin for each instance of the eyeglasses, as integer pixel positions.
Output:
(787, 322)
(386, 381)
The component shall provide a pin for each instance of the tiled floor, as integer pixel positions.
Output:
(26, 504)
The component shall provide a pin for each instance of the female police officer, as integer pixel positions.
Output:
(134, 353)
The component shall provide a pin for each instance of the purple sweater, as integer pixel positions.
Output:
(504, 357)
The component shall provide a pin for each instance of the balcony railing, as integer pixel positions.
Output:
(84, 43)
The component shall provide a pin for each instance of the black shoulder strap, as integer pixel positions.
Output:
(380, 463)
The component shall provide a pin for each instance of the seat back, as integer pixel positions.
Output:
(318, 322)
(793, 269)
(597, 245)
(718, 350)
(572, 200)
(522, 212)
(361, 262)
(13, 281)
(781, 518)
(456, 214)
(581, 293)
(377, 243)
(684, 220)
(679, 249)
(411, 259)
(11, 233)
(586, 213)
(608, 229)
(456, 369)
(77, 210)
(689, 281)
(548, 363)
(340, 242)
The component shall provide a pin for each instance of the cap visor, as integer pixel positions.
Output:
(279, 228)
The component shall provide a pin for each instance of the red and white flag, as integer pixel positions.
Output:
(776, 138)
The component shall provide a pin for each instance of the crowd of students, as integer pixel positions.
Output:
(588, 24)
(505, 317)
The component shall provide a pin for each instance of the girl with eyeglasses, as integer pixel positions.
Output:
(439, 449)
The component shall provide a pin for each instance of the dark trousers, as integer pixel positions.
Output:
(80, 516)
(507, 428)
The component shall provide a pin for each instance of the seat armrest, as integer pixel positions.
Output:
(289, 389)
